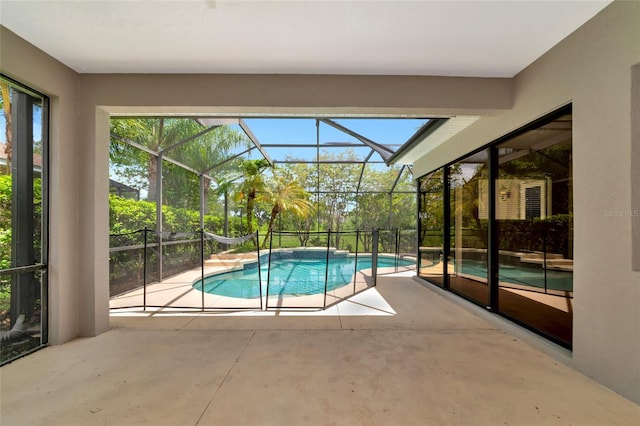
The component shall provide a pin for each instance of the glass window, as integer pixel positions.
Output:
(534, 216)
(523, 234)
(431, 227)
(467, 267)
(23, 308)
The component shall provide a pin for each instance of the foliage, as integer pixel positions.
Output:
(339, 181)
(5, 221)
(127, 215)
(6, 242)
(172, 136)
(551, 235)
(287, 197)
(251, 186)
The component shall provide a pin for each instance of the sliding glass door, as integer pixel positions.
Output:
(468, 212)
(534, 217)
(431, 237)
(496, 226)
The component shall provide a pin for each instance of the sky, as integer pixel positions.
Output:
(37, 124)
(303, 131)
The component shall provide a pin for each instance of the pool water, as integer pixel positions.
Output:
(533, 277)
(292, 277)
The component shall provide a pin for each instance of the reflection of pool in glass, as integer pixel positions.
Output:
(531, 277)
(292, 277)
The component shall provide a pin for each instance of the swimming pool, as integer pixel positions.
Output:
(292, 277)
(529, 277)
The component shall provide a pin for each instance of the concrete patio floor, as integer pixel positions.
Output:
(430, 360)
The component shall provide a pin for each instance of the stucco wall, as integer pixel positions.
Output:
(30, 66)
(592, 70)
(297, 94)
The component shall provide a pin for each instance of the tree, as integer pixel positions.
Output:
(180, 187)
(338, 181)
(371, 209)
(252, 184)
(210, 149)
(287, 196)
(307, 176)
(224, 187)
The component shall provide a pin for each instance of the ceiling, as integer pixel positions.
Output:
(445, 38)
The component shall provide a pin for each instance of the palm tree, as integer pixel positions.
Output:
(287, 196)
(252, 184)
(210, 149)
(223, 188)
(153, 133)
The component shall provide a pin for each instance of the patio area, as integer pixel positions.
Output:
(430, 359)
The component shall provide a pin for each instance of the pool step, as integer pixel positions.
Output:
(230, 259)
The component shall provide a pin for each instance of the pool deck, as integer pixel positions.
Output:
(431, 359)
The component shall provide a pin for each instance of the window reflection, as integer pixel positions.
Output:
(534, 216)
(23, 307)
(529, 224)
(431, 227)
(469, 227)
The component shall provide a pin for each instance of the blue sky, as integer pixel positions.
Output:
(303, 131)
(37, 124)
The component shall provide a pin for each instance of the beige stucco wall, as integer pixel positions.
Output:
(592, 70)
(28, 65)
(297, 94)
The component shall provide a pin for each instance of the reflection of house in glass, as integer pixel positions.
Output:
(37, 160)
(523, 232)
(516, 199)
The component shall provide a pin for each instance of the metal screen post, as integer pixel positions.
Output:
(202, 265)
(269, 272)
(144, 271)
(397, 261)
(326, 270)
(159, 216)
(355, 265)
(259, 273)
(544, 251)
(374, 255)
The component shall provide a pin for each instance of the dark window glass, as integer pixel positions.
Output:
(431, 227)
(469, 216)
(23, 307)
(534, 215)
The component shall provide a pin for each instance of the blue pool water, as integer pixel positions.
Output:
(292, 277)
(533, 277)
